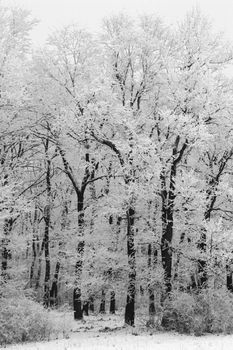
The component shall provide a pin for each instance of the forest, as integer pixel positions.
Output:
(116, 181)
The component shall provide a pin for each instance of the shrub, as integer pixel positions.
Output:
(209, 311)
(22, 319)
(218, 310)
(179, 312)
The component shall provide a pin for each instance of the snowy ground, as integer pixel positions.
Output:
(107, 333)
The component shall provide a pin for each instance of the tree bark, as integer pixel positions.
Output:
(78, 312)
(6, 253)
(87, 179)
(167, 228)
(102, 303)
(151, 290)
(35, 250)
(34, 255)
(86, 308)
(168, 201)
(229, 278)
(47, 219)
(91, 304)
(131, 252)
(112, 308)
(47, 261)
(37, 280)
(54, 288)
(176, 267)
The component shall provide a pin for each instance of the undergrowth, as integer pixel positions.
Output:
(209, 311)
(24, 320)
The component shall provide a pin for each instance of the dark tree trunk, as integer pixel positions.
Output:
(112, 302)
(6, 253)
(176, 267)
(168, 199)
(141, 290)
(202, 272)
(151, 290)
(102, 303)
(54, 288)
(78, 313)
(91, 304)
(112, 294)
(53, 294)
(86, 308)
(38, 276)
(89, 175)
(118, 231)
(167, 228)
(151, 307)
(131, 290)
(35, 248)
(34, 255)
(155, 256)
(47, 264)
(47, 219)
(110, 220)
(202, 267)
(229, 278)
(33, 263)
(166, 250)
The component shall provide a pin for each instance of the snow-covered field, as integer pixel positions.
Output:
(104, 333)
(131, 342)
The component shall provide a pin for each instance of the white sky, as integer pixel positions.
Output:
(89, 13)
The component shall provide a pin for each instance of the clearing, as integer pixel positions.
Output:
(105, 332)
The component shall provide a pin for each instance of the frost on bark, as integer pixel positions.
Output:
(47, 220)
(168, 201)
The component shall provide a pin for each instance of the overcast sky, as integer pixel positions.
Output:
(89, 13)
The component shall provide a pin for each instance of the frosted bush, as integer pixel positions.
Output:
(23, 320)
(206, 311)
(179, 312)
(218, 306)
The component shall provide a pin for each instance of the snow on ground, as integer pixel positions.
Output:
(106, 333)
(131, 342)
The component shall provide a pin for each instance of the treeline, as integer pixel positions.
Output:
(116, 163)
